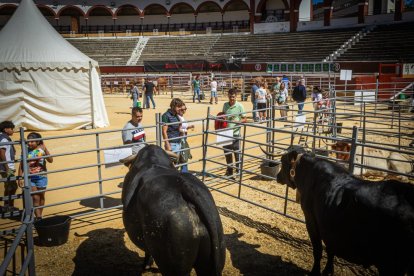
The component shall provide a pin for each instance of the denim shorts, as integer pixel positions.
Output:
(38, 181)
(213, 94)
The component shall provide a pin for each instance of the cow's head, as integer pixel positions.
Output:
(342, 150)
(288, 158)
(150, 155)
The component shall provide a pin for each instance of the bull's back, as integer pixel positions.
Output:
(175, 218)
(370, 224)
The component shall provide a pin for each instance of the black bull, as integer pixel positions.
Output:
(364, 222)
(172, 216)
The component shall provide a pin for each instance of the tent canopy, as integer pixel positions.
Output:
(45, 82)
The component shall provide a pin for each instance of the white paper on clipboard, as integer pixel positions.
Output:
(300, 121)
(112, 156)
(223, 140)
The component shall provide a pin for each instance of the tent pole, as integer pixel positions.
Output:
(91, 91)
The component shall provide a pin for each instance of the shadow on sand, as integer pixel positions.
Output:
(104, 253)
(251, 262)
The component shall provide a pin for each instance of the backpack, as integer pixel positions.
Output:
(219, 122)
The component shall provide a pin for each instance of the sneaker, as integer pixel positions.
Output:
(9, 209)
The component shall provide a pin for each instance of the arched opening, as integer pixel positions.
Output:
(210, 15)
(48, 13)
(128, 18)
(182, 14)
(100, 19)
(6, 11)
(70, 19)
(156, 18)
(236, 15)
(273, 10)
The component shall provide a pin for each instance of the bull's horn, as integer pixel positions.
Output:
(171, 154)
(276, 154)
(128, 160)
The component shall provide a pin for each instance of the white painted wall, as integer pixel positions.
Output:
(274, 27)
(310, 25)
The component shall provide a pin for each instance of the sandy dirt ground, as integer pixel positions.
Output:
(259, 242)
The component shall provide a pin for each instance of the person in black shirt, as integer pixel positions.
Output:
(299, 95)
(149, 90)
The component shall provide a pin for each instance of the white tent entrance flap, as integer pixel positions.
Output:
(45, 82)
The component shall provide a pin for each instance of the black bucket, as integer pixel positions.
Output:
(53, 231)
(269, 168)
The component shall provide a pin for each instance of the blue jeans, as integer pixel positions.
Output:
(254, 112)
(175, 147)
(196, 92)
(134, 99)
(300, 107)
(147, 104)
(38, 181)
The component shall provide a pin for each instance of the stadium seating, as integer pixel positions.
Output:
(385, 43)
(106, 51)
(392, 43)
(280, 47)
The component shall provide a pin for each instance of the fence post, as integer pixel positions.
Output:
(28, 205)
(268, 124)
(241, 159)
(98, 157)
(205, 141)
(158, 129)
(315, 115)
(171, 86)
(353, 149)
(272, 149)
(364, 127)
(399, 127)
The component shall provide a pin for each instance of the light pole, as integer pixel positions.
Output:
(168, 24)
(142, 25)
(113, 28)
(86, 27)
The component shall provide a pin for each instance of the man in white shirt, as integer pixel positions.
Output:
(133, 132)
(213, 86)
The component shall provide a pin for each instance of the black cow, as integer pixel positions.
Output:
(364, 222)
(172, 216)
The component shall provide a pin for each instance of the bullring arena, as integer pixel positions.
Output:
(259, 241)
(365, 67)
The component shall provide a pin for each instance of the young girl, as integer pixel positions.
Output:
(37, 164)
(281, 98)
(316, 98)
(261, 96)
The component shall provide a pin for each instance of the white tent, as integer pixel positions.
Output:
(45, 82)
